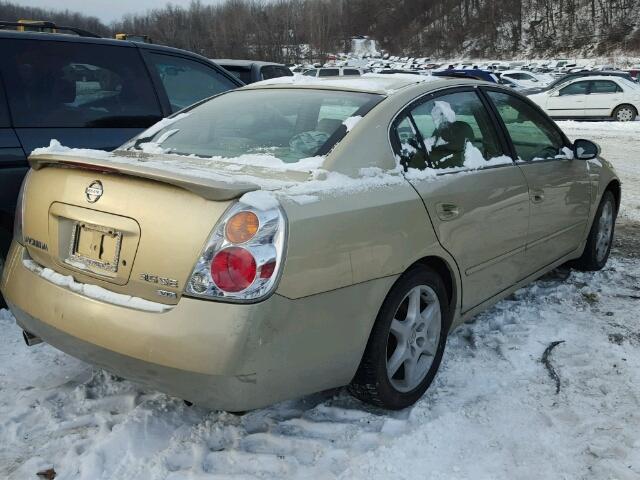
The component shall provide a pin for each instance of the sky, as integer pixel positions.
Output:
(108, 10)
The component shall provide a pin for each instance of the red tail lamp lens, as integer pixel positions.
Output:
(267, 270)
(233, 269)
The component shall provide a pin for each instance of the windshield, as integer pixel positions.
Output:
(289, 124)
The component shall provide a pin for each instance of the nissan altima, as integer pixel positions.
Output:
(298, 235)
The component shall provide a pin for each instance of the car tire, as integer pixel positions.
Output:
(625, 113)
(596, 251)
(407, 342)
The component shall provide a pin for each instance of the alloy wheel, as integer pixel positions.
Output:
(605, 228)
(625, 114)
(413, 338)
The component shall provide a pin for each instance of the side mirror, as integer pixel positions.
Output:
(555, 94)
(585, 149)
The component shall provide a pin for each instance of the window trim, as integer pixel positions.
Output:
(504, 141)
(484, 89)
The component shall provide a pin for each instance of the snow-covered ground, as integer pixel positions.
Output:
(493, 412)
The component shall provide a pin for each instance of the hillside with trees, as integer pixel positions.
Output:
(290, 30)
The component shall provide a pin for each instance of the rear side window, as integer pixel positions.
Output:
(270, 71)
(329, 72)
(604, 86)
(243, 73)
(533, 135)
(351, 71)
(64, 84)
(457, 131)
(186, 81)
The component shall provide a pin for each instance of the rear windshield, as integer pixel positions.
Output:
(289, 124)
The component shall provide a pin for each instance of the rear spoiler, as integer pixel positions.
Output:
(209, 189)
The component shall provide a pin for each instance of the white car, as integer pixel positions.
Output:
(333, 72)
(593, 97)
(527, 79)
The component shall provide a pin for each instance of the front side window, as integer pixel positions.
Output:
(578, 88)
(65, 84)
(351, 71)
(288, 124)
(457, 131)
(311, 73)
(533, 135)
(186, 81)
(604, 86)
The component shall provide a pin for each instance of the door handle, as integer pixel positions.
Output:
(537, 196)
(447, 211)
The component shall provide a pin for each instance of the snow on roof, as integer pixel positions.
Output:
(369, 82)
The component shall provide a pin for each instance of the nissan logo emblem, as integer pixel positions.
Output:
(94, 191)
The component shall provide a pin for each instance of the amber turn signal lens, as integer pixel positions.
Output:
(242, 227)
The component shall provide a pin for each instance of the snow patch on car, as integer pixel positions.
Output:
(442, 113)
(260, 199)
(56, 148)
(352, 122)
(94, 291)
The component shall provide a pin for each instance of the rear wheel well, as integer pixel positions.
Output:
(446, 274)
(614, 187)
(613, 112)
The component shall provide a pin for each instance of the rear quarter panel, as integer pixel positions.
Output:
(353, 237)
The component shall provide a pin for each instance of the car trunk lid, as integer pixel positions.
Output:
(134, 229)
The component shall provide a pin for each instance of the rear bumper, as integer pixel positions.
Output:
(225, 356)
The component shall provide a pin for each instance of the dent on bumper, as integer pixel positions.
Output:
(228, 356)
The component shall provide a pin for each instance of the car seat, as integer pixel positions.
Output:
(451, 140)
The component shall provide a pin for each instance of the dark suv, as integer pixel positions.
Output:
(87, 92)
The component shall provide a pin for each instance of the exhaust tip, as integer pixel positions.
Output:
(30, 339)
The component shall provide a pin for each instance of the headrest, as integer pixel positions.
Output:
(456, 134)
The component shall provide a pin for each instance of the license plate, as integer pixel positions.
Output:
(95, 246)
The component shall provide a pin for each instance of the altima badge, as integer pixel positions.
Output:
(94, 191)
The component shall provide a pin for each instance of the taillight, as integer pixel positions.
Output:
(243, 256)
(233, 269)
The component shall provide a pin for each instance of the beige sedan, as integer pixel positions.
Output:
(300, 235)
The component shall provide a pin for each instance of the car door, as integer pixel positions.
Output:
(568, 101)
(184, 81)
(604, 96)
(479, 209)
(559, 188)
(82, 94)
(13, 166)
